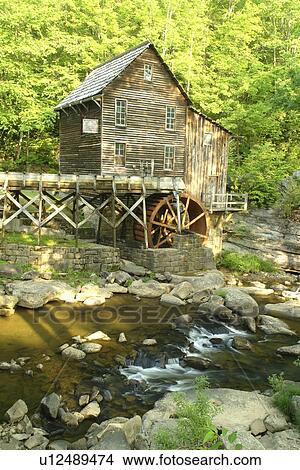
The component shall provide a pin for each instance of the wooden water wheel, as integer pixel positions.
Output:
(162, 219)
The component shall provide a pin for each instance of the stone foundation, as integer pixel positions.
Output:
(188, 255)
(95, 258)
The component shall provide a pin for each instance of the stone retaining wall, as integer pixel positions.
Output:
(94, 258)
(187, 255)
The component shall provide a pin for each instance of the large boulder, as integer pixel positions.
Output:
(274, 326)
(91, 291)
(293, 350)
(35, 294)
(258, 291)
(241, 343)
(97, 335)
(217, 310)
(37, 441)
(7, 305)
(50, 405)
(9, 270)
(276, 423)
(207, 280)
(150, 289)
(239, 302)
(73, 354)
(112, 439)
(94, 301)
(289, 310)
(132, 268)
(16, 412)
(202, 296)
(183, 291)
(169, 299)
(283, 440)
(120, 277)
(8, 301)
(245, 439)
(257, 427)
(89, 348)
(238, 409)
(115, 288)
(92, 410)
(197, 362)
(130, 429)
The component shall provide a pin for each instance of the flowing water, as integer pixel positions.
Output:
(147, 372)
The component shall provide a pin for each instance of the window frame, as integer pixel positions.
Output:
(126, 110)
(168, 157)
(173, 129)
(83, 132)
(118, 155)
(211, 142)
(145, 66)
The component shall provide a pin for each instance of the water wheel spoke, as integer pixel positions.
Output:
(186, 211)
(160, 243)
(191, 222)
(157, 229)
(164, 225)
(172, 212)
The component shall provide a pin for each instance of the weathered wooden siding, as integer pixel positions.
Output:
(145, 133)
(206, 167)
(79, 153)
(203, 169)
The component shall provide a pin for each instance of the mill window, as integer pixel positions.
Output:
(208, 139)
(90, 126)
(148, 72)
(120, 112)
(170, 118)
(169, 157)
(120, 154)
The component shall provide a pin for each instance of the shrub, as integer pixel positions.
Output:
(194, 429)
(245, 263)
(290, 200)
(283, 394)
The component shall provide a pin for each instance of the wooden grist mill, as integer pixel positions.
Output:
(135, 156)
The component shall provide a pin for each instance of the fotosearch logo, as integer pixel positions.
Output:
(131, 314)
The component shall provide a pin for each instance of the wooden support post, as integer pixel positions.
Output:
(145, 215)
(76, 215)
(226, 202)
(5, 189)
(178, 211)
(40, 209)
(246, 202)
(113, 208)
(98, 234)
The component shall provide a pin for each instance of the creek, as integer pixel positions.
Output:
(147, 372)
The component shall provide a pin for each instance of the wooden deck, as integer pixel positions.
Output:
(90, 183)
(228, 202)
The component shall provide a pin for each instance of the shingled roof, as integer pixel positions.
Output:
(104, 74)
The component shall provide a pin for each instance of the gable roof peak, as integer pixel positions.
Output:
(100, 77)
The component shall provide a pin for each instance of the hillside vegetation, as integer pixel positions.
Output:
(238, 59)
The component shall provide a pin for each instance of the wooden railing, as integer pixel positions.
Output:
(230, 202)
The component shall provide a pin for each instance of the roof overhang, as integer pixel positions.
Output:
(210, 120)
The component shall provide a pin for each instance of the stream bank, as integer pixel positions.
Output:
(215, 328)
(268, 234)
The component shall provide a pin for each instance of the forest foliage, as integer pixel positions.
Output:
(238, 60)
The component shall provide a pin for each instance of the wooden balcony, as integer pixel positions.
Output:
(228, 202)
